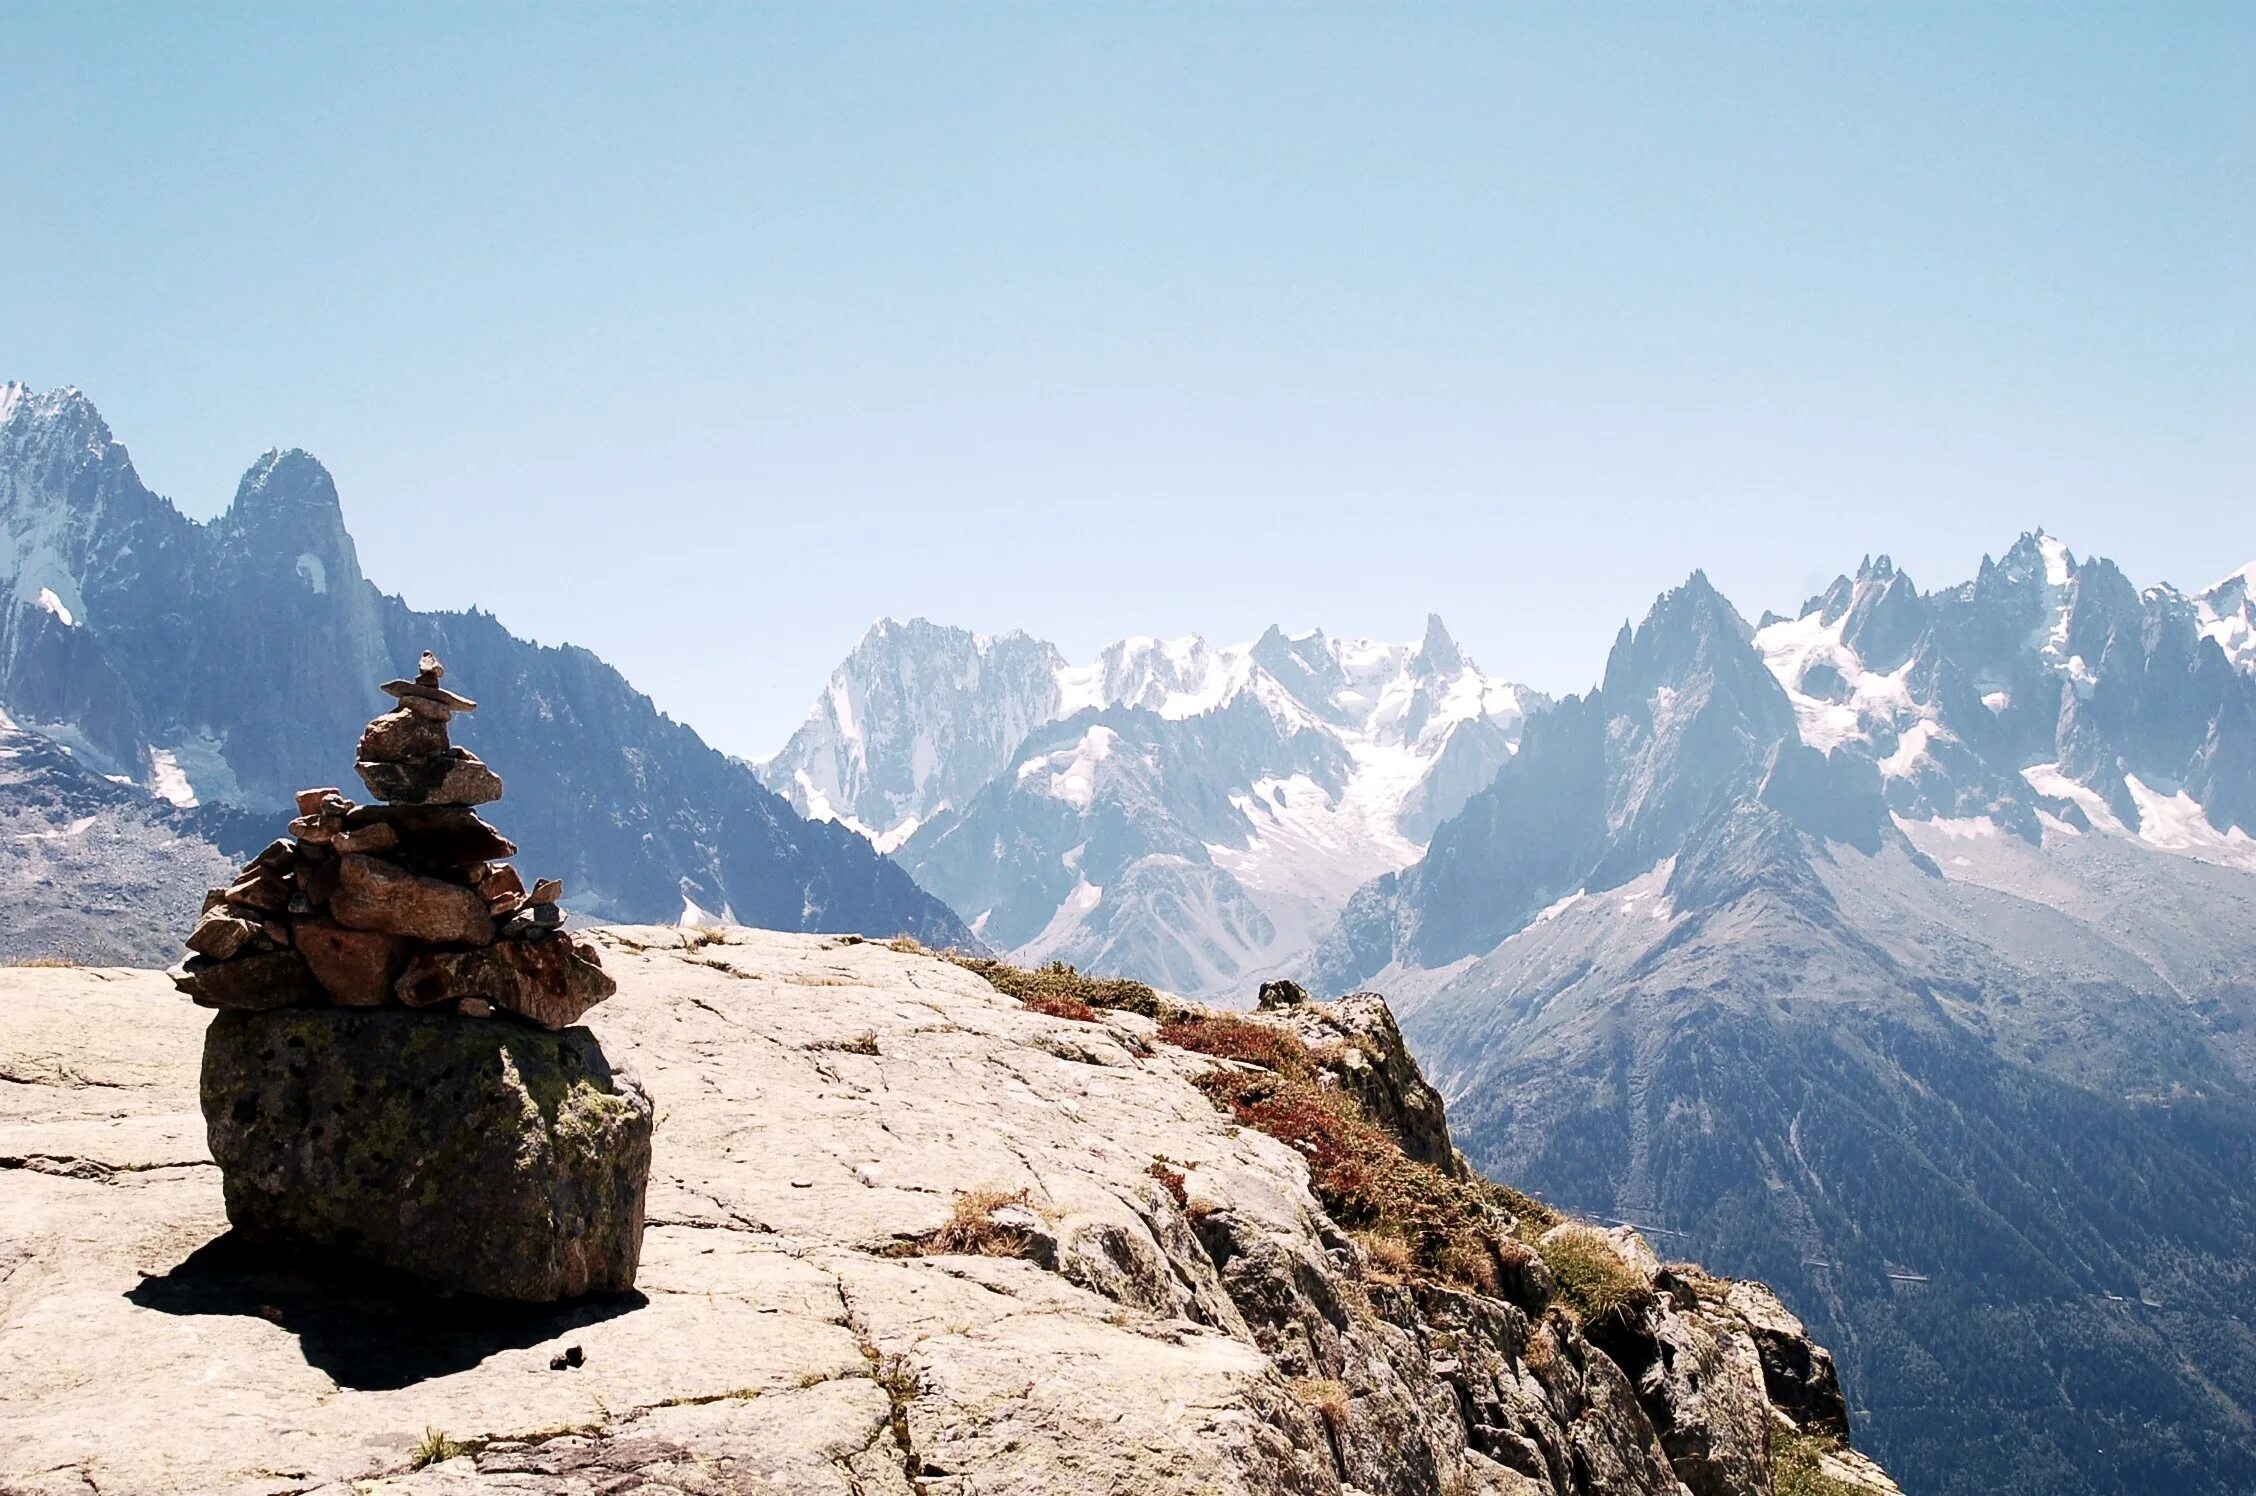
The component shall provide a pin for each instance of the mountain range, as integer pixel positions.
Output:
(1189, 815)
(215, 668)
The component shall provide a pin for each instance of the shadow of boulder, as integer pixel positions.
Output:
(366, 1327)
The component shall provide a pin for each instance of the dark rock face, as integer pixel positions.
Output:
(98, 872)
(483, 1158)
(240, 710)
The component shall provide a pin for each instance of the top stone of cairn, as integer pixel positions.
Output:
(405, 758)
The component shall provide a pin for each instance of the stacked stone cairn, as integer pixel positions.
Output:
(410, 901)
(396, 1076)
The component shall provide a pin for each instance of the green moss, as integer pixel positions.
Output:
(483, 1155)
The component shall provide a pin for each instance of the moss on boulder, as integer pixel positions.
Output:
(487, 1158)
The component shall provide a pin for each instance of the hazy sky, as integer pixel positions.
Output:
(703, 337)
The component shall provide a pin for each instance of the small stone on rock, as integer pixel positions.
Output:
(546, 891)
(356, 967)
(376, 838)
(375, 895)
(312, 828)
(249, 982)
(456, 779)
(261, 890)
(401, 736)
(403, 689)
(500, 879)
(221, 932)
(548, 981)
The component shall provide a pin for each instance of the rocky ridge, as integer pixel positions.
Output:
(1882, 955)
(906, 1235)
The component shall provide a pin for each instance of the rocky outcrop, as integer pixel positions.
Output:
(905, 1235)
(1362, 1049)
(492, 1158)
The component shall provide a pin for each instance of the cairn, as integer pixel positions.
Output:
(409, 901)
(368, 1092)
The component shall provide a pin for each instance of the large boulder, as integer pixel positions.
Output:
(480, 1157)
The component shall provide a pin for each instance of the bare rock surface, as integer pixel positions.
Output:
(904, 1236)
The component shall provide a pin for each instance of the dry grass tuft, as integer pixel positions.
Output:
(1593, 1280)
(1326, 1398)
(435, 1448)
(56, 962)
(1389, 1257)
(864, 1042)
(1060, 985)
(1061, 1007)
(1797, 1464)
(1530, 1216)
(971, 1230)
(1171, 1180)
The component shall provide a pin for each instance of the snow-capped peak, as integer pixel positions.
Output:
(919, 715)
(2226, 613)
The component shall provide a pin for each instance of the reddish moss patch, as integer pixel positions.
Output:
(1170, 1180)
(1360, 1173)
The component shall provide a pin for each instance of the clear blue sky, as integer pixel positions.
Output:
(704, 336)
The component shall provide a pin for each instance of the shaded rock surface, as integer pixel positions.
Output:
(814, 1314)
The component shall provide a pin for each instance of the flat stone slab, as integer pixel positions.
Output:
(819, 1104)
